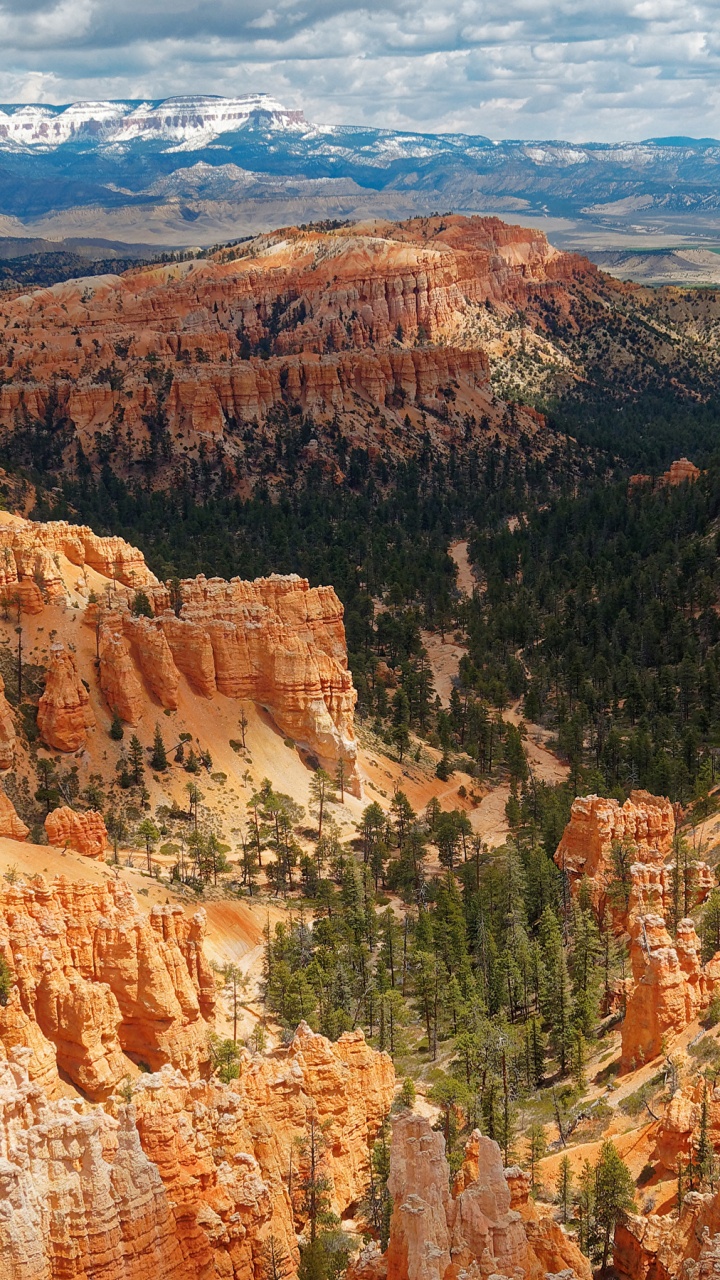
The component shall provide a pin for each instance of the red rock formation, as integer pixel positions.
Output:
(118, 677)
(102, 980)
(64, 711)
(435, 1237)
(680, 471)
(355, 320)
(7, 731)
(585, 850)
(11, 826)
(187, 1180)
(78, 1192)
(29, 551)
(670, 988)
(670, 1247)
(85, 832)
(276, 641)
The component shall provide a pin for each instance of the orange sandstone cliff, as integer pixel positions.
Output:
(359, 319)
(104, 981)
(276, 641)
(486, 1227)
(181, 1180)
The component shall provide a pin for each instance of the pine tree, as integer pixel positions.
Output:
(537, 1146)
(614, 1195)
(135, 754)
(563, 1187)
(117, 732)
(149, 833)
(159, 760)
(276, 1264)
(321, 794)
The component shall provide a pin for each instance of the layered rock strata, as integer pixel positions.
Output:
(11, 825)
(184, 1181)
(671, 987)
(29, 559)
(276, 641)
(7, 731)
(356, 320)
(646, 823)
(103, 980)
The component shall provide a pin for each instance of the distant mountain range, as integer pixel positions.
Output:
(196, 170)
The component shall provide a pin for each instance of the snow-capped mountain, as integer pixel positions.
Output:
(181, 119)
(199, 169)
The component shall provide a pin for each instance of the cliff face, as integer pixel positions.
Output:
(484, 1229)
(276, 641)
(187, 1180)
(670, 986)
(357, 320)
(102, 980)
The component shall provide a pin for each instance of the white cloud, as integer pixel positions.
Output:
(508, 68)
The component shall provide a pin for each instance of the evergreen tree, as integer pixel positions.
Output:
(614, 1195)
(135, 760)
(158, 760)
(563, 1188)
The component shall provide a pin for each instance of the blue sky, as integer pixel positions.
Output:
(508, 68)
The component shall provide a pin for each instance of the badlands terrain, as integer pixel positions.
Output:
(138, 1130)
(358, 907)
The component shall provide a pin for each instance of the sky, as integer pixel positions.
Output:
(577, 69)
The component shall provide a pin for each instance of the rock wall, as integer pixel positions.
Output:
(103, 980)
(7, 731)
(184, 1181)
(29, 552)
(11, 825)
(353, 320)
(478, 1231)
(86, 832)
(276, 641)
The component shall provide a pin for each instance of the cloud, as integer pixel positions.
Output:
(507, 68)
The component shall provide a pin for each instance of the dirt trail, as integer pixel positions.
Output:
(466, 579)
(444, 655)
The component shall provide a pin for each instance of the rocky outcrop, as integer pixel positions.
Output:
(367, 323)
(434, 1236)
(671, 1247)
(680, 471)
(77, 1191)
(276, 641)
(118, 677)
(671, 987)
(11, 826)
(86, 832)
(645, 823)
(7, 731)
(64, 711)
(181, 1180)
(30, 554)
(102, 980)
